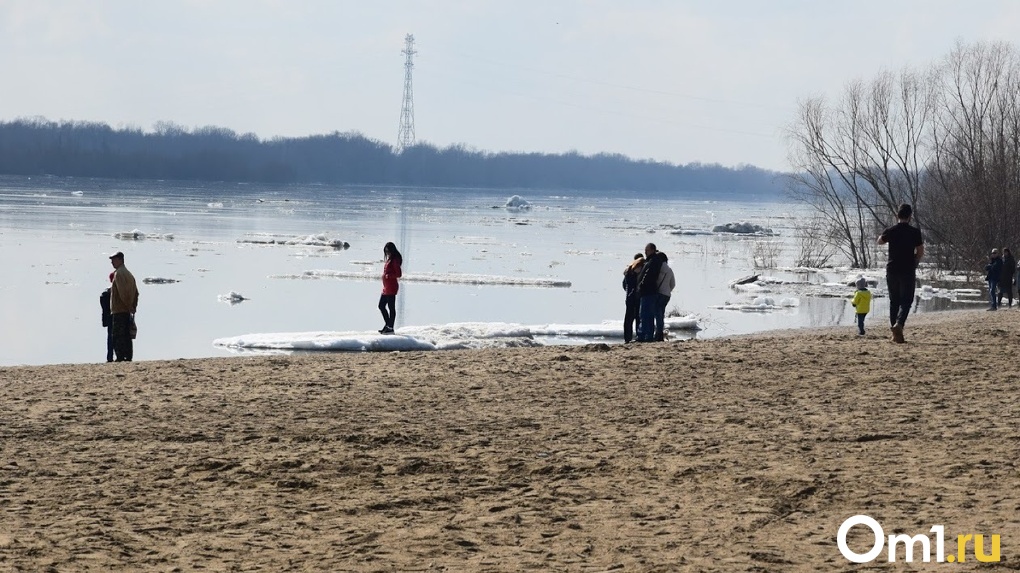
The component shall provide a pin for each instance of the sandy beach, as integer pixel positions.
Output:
(741, 454)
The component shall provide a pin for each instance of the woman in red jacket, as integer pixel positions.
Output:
(390, 274)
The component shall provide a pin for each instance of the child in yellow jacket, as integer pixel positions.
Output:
(862, 303)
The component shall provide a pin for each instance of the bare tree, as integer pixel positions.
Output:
(856, 161)
(972, 193)
(816, 242)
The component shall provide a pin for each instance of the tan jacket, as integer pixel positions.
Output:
(124, 292)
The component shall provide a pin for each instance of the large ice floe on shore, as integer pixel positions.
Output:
(453, 336)
(446, 278)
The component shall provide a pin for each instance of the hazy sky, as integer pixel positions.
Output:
(681, 81)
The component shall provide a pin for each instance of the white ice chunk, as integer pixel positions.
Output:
(316, 240)
(446, 278)
(137, 235)
(441, 337)
(517, 203)
(232, 297)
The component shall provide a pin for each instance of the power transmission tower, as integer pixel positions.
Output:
(405, 136)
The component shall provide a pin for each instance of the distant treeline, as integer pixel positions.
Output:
(82, 149)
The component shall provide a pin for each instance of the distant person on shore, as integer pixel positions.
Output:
(104, 304)
(906, 249)
(861, 303)
(1006, 277)
(993, 272)
(123, 305)
(633, 299)
(391, 272)
(666, 283)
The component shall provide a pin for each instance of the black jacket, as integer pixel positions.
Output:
(630, 282)
(993, 269)
(104, 303)
(648, 280)
(1008, 270)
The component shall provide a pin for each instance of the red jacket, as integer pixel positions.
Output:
(390, 274)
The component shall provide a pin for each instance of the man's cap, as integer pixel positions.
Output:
(994, 251)
(117, 255)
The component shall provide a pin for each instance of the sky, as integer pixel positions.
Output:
(710, 81)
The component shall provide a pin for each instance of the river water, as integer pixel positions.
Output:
(217, 238)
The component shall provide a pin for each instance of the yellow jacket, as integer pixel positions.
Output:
(862, 301)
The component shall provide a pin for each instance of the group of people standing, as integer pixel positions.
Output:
(648, 282)
(1000, 273)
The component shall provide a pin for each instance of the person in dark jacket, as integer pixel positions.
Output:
(388, 299)
(633, 300)
(906, 249)
(993, 272)
(1006, 277)
(648, 293)
(104, 304)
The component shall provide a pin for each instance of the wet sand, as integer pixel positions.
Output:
(741, 454)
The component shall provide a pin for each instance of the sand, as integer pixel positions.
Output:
(742, 454)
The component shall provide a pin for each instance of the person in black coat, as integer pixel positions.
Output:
(1006, 277)
(633, 300)
(993, 270)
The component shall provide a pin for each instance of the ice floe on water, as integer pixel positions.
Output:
(137, 235)
(159, 281)
(517, 203)
(453, 336)
(761, 304)
(77, 193)
(316, 240)
(760, 285)
(743, 228)
(740, 228)
(232, 298)
(446, 278)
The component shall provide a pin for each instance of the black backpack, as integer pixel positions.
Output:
(104, 303)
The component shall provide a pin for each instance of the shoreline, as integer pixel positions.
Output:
(916, 318)
(737, 453)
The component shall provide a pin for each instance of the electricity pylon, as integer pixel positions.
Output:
(405, 136)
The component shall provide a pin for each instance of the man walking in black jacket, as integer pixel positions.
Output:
(906, 248)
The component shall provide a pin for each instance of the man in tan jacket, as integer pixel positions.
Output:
(123, 304)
